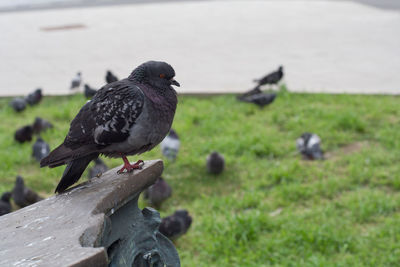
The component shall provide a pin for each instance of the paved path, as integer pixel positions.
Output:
(215, 46)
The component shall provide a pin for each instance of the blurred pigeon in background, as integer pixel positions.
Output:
(170, 145)
(89, 92)
(34, 97)
(176, 224)
(99, 168)
(215, 163)
(251, 92)
(308, 144)
(40, 125)
(76, 81)
(261, 99)
(24, 196)
(40, 149)
(110, 77)
(18, 104)
(272, 78)
(5, 205)
(157, 193)
(24, 134)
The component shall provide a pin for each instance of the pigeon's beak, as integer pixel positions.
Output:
(173, 82)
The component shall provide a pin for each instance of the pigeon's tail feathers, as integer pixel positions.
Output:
(62, 155)
(74, 171)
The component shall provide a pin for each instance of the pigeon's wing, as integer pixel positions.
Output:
(107, 118)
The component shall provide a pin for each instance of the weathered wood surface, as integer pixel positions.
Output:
(67, 229)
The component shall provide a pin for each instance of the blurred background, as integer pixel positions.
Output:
(310, 155)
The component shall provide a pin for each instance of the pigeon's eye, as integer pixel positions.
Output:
(162, 75)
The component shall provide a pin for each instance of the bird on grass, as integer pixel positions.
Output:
(176, 224)
(110, 77)
(5, 205)
(271, 78)
(215, 163)
(22, 195)
(261, 99)
(170, 145)
(40, 149)
(40, 125)
(251, 92)
(157, 193)
(89, 92)
(76, 81)
(309, 145)
(18, 104)
(35, 97)
(98, 169)
(127, 117)
(24, 134)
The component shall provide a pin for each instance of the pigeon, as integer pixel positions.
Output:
(22, 195)
(76, 81)
(40, 149)
(251, 92)
(176, 224)
(261, 99)
(158, 192)
(308, 144)
(34, 97)
(99, 168)
(89, 92)
(272, 78)
(18, 104)
(110, 78)
(40, 125)
(127, 117)
(170, 145)
(24, 134)
(215, 163)
(5, 205)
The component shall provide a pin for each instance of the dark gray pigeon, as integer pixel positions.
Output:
(89, 92)
(34, 97)
(158, 193)
(76, 81)
(40, 149)
(261, 99)
(40, 125)
(215, 163)
(18, 104)
(124, 118)
(98, 169)
(176, 224)
(5, 205)
(110, 77)
(170, 145)
(251, 92)
(309, 145)
(272, 78)
(24, 134)
(22, 195)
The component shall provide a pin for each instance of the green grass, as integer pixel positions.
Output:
(340, 212)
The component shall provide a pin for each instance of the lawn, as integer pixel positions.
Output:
(269, 207)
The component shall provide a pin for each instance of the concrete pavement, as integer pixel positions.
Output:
(214, 46)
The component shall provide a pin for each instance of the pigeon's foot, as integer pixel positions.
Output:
(130, 167)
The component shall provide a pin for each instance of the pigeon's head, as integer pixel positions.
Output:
(184, 215)
(173, 134)
(215, 155)
(280, 68)
(6, 196)
(19, 181)
(156, 73)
